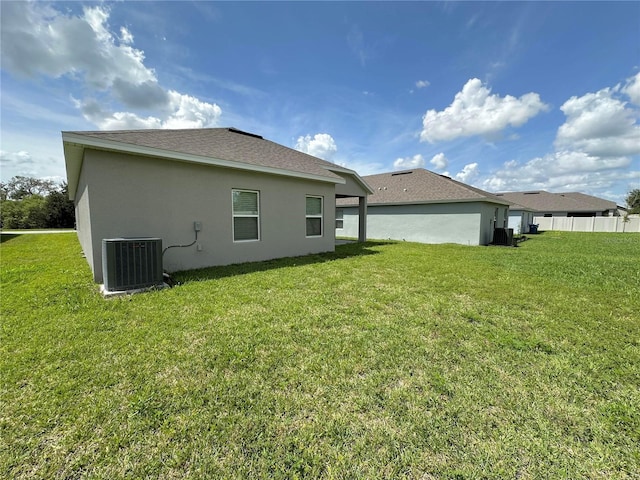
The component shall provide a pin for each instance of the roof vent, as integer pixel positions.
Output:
(401, 173)
(444, 176)
(248, 134)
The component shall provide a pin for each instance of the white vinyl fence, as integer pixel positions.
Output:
(589, 224)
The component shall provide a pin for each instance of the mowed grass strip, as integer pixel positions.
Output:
(381, 360)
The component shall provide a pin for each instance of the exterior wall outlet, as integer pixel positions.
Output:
(199, 247)
(197, 226)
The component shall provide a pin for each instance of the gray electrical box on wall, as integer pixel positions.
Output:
(131, 263)
(197, 226)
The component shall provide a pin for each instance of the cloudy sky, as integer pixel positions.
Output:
(503, 96)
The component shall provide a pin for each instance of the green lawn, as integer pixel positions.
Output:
(383, 360)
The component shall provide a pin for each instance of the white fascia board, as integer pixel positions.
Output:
(348, 171)
(101, 144)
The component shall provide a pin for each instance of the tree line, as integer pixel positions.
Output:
(27, 202)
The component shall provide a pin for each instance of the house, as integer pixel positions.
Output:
(569, 204)
(421, 206)
(224, 196)
(520, 218)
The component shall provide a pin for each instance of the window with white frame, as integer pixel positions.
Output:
(246, 215)
(339, 218)
(314, 216)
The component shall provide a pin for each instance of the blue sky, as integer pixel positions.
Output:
(503, 96)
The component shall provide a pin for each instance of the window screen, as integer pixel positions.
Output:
(314, 216)
(246, 215)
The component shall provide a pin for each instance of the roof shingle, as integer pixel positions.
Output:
(420, 186)
(542, 201)
(221, 144)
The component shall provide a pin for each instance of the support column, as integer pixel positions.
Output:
(362, 219)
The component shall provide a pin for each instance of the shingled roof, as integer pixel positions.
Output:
(542, 201)
(420, 186)
(226, 147)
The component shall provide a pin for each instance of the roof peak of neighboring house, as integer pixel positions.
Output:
(226, 147)
(544, 201)
(418, 185)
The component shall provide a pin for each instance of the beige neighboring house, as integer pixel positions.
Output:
(568, 204)
(251, 199)
(421, 206)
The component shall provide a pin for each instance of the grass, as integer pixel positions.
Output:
(382, 360)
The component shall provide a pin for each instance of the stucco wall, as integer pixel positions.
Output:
(493, 216)
(466, 223)
(520, 220)
(134, 196)
(83, 221)
(434, 223)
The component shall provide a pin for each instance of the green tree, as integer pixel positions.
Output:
(60, 211)
(633, 201)
(21, 187)
(27, 202)
(29, 212)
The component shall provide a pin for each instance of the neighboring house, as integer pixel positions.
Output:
(253, 199)
(520, 218)
(421, 206)
(569, 204)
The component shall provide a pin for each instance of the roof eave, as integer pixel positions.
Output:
(373, 203)
(348, 171)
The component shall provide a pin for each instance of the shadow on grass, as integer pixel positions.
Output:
(5, 237)
(347, 250)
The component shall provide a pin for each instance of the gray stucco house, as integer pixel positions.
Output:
(251, 199)
(520, 218)
(421, 206)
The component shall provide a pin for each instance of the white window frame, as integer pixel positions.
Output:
(234, 216)
(321, 216)
(339, 218)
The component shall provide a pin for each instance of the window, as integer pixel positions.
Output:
(246, 215)
(339, 218)
(506, 217)
(314, 216)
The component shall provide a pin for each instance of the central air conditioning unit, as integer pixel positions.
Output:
(131, 263)
(503, 236)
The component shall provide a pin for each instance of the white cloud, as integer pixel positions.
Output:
(417, 161)
(632, 89)
(186, 112)
(355, 41)
(39, 160)
(15, 159)
(125, 36)
(422, 83)
(439, 161)
(474, 111)
(595, 149)
(321, 145)
(561, 171)
(39, 40)
(468, 174)
(189, 112)
(599, 124)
